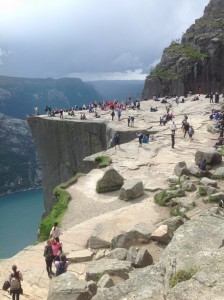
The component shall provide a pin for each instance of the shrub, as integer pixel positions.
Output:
(162, 198)
(103, 161)
(182, 275)
(59, 208)
(202, 192)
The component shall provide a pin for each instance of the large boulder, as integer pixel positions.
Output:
(96, 269)
(211, 155)
(161, 235)
(118, 253)
(208, 182)
(111, 181)
(189, 186)
(181, 169)
(139, 234)
(139, 257)
(195, 171)
(132, 189)
(105, 282)
(211, 128)
(67, 286)
(173, 223)
(218, 173)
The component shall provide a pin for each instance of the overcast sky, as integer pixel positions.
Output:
(90, 39)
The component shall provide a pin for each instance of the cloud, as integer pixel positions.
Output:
(61, 37)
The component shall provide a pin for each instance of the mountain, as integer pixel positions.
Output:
(19, 96)
(196, 61)
(19, 163)
(118, 89)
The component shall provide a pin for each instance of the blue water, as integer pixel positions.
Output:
(20, 214)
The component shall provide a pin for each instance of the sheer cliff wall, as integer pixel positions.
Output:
(63, 144)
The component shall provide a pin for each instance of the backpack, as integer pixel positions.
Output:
(15, 282)
(60, 268)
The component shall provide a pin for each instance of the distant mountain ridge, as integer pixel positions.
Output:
(19, 96)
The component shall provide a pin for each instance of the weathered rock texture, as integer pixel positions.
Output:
(196, 61)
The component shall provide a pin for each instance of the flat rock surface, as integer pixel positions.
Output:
(153, 163)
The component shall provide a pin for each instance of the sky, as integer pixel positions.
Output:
(90, 39)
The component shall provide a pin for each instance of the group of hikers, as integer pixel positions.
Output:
(53, 254)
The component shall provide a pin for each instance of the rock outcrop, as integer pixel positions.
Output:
(196, 61)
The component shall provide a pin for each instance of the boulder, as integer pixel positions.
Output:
(189, 186)
(132, 189)
(217, 196)
(132, 254)
(118, 253)
(211, 155)
(96, 269)
(98, 239)
(195, 171)
(218, 173)
(176, 193)
(67, 286)
(80, 255)
(161, 235)
(208, 182)
(139, 234)
(101, 253)
(173, 223)
(181, 169)
(111, 181)
(210, 190)
(105, 281)
(172, 180)
(143, 258)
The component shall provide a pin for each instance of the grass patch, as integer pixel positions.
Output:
(59, 209)
(162, 198)
(175, 211)
(202, 192)
(103, 161)
(212, 198)
(182, 275)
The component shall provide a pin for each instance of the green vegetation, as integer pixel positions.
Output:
(175, 211)
(202, 192)
(182, 275)
(59, 208)
(187, 51)
(162, 198)
(103, 161)
(212, 198)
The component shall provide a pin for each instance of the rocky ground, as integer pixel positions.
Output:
(153, 163)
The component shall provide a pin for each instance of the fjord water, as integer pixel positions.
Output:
(20, 214)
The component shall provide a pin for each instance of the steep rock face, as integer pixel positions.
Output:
(62, 145)
(19, 163)
(196, 61)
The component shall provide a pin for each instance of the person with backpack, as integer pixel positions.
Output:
(48, 254)
(15, 279)
(191, 133)
(61, 265)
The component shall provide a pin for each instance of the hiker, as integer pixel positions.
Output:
(199, 91)
(36, 110)
(61, 265)
(132, 121)
(55, 232)
(216, 97)
(56, 249)
(116, 140)
(61, 113)
(173, 127)
(15, 279)
(140, 137)
(191, 133)
(173, 138)
(186, 127)
(129, 120)
(48, 254)
(119, 115)
(211, 97)
(112, 114)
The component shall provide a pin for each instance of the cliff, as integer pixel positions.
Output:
(196, 61)
(19, 164)
(63, 144)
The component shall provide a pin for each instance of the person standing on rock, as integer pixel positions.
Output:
(48, 254)
(112, 115)
(116, 140)
(211, 97)
(15, 279)
(173, 138)
(55, 232)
